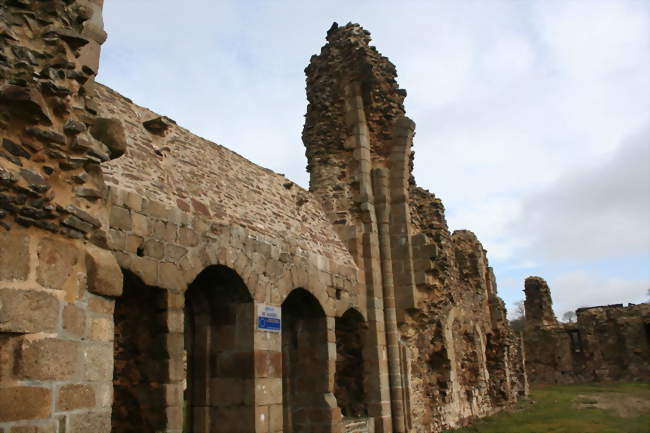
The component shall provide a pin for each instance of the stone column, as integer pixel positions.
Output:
(268, 380)
(382, 200)
(400, 217)
(377, 362)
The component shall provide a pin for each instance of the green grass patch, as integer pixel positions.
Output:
(588, 408)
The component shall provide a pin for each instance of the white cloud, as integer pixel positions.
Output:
(585, 289)
(594, 213)
(509, 98)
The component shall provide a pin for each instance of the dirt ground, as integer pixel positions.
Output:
(625, 406)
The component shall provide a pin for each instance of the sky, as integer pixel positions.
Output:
(533, 117)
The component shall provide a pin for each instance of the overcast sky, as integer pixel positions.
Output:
(533, 117)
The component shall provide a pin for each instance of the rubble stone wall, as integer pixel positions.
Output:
(606, 343)
(57, 282)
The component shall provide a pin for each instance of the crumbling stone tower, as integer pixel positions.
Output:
(358, 145)
(538, 303)
(424, 287)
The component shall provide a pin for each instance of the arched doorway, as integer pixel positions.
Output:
(349, 381)
(305, 373)
(219, 394)
(138, 391)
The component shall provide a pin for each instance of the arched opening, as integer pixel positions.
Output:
(349, 387)
(138, 392)
(304, 364)
(219, 393)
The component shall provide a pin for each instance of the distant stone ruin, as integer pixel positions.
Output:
(606, 343)
(153, 281)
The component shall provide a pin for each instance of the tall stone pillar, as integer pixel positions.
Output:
(538, 303)
(355, 124)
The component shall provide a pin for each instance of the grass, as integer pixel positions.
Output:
(590, 408)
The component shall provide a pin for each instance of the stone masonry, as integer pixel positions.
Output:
(606, 343)
(431, 296)
(136, 260)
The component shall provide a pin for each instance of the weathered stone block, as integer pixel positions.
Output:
(134, 244)
(188, 237)
(74, 320)
(101, 329)
(104, 394)
(100, 304)
(26, 402)
(48, 359)
(95, 422)
(104, 274)
(40, 428)
(111, 133)
(145, 268)
(73, 397)
(140, 224)
(28, 311)
(275, 418)
(120, 218)
(268, 391)
(170, 276)
(268, 364)
(98, 361)
(262, 419)
(56, 262)
(174, 253)
(155, 209)
(14, 256)
(154, 249)
(116, 239)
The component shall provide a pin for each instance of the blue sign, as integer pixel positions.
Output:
(269, 318)
(269, 324)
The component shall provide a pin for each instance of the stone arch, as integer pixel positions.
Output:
(318, 292)
(234, 258)
(219, 342)
(350, 380)
(139, 345)
(305, 364)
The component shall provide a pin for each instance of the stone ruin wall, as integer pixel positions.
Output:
(91, 247)
(606, 343)
(459, 357)
(468, 358)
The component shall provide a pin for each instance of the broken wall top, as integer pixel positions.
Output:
(168, 164)
(538, 303)
(347, 56)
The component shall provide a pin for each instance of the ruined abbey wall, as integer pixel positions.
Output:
(138, 260)
(606, 343)
(456, 355)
